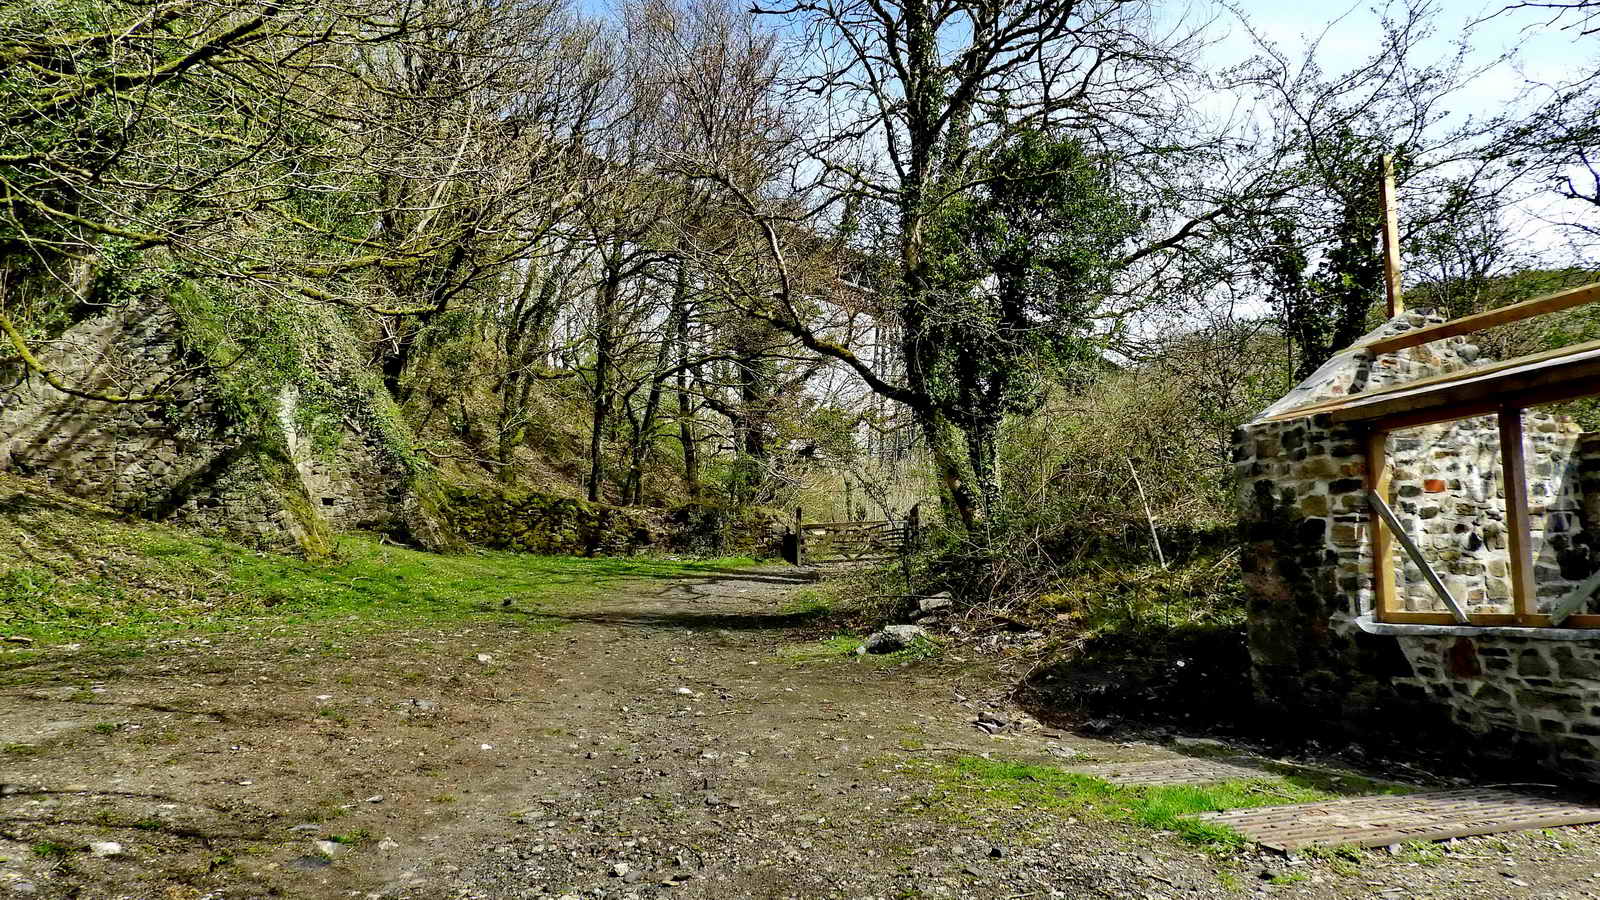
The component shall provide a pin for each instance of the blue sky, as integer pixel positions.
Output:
(1541, 53)
(1546, 53)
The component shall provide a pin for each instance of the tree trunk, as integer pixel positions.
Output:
(652, 404)
(686, 429)
(943, 437)
(982, 457)
(512, 389)
(393, 364)
(958, 496)
(604, 347)
(751, 430)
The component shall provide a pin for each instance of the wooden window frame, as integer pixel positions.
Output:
(1504, 389)
(1519, 547)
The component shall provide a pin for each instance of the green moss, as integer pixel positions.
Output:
(506, 518)
(311, 531)
(260, 352)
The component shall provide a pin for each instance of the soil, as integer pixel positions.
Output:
(675, 739)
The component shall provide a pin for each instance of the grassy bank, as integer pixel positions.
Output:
(72, 572)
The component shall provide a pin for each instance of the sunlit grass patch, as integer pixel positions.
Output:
(811, 601)
(48, 849)
(73, 574)
(835, 647)
(844, 646)
(968, 780)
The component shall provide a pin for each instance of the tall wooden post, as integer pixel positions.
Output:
(1391, 238)
(1384, 597)
(1519, 544)
(799, 536)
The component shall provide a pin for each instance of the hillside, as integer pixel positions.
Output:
(73, 571)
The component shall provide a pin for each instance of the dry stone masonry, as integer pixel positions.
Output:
(1511, 692)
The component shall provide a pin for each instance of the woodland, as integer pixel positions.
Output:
(1027, 263)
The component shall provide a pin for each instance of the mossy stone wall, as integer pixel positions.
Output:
(504, 518)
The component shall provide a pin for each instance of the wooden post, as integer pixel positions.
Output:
(1519, 544)
(1384, 598)
(1381, 507)
(799, 536)
(1391, 238)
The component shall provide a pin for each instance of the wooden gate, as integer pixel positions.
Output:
(876, 541)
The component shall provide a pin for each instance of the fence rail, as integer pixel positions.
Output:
(873, 541)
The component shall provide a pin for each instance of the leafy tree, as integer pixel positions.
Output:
(910, 100)
(1019, 264)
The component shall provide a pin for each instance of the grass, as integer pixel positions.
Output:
(1344, 861)
(69, 572)
(51, 850)
(844, 645)
(809, 601)
(840, 645)
(969, 780)
(1425, 853)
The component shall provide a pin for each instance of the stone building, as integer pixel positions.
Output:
(1524, 693)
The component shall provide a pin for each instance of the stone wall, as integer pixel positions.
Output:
(1515, 697)
(1308, 569)
(183, 460)
(1450, 498)
(505, 518)
(351, 486)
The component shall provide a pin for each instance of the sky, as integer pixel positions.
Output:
(1351, 30)
(1540, 53)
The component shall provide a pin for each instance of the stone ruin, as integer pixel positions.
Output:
(1498, 693)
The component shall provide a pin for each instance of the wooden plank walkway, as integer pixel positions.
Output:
(1379, 821)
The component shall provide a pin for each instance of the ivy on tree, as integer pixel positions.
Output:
(1017, 266)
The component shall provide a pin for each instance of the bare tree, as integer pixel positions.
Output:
(1315, 248)
(909, 108)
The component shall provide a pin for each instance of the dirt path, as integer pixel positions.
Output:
(671, 740)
